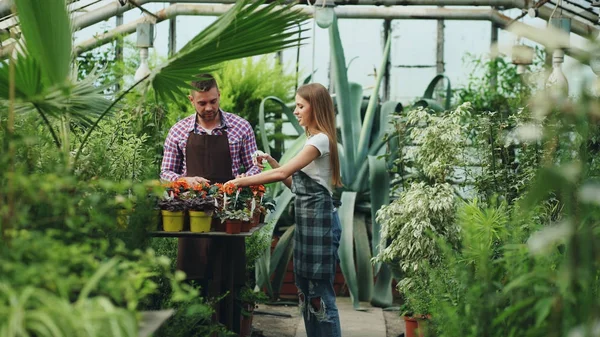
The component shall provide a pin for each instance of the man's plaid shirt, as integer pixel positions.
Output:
(242, 145)
(315, 253)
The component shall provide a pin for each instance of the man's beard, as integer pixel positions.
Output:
(208, 117)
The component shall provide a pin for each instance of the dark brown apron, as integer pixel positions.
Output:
(207, 156)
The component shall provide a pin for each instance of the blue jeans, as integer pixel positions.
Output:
(317, 298)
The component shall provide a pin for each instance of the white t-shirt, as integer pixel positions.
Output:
(320, 168)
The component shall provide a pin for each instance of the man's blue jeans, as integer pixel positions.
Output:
(317, 299)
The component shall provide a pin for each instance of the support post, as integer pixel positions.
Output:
(172, 35)
(387, 31)
(493, 43)
(440, 65)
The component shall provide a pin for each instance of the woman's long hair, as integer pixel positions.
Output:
(324, 114)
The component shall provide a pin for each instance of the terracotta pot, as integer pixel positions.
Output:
(246, 321)
(233, 226)
(246, 226)
(255, 219)
(412, 325)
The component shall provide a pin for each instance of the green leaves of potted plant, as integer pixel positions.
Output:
(248, 300)
(233, 219)
(201, 206)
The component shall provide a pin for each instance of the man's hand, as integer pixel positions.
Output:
(193, 181)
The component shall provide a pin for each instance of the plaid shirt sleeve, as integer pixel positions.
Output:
(248, 150)
(172, 164)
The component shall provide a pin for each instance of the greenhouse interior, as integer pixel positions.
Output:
(259, 168)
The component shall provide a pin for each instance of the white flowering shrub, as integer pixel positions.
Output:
(439, 141)
(425, 210)
(411, 224)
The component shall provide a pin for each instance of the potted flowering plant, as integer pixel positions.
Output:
(233, 219)
(233, 209)
(200, 205)
(258, 193)
(173, 206)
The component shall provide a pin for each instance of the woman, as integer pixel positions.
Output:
(311, 175)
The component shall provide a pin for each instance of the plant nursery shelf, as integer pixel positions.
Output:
(204, 234)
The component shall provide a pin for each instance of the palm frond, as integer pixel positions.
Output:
(28, 78)
(83, 101)
(247, 29)
(46, 29)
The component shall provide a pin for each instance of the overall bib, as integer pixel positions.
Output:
(207, 156)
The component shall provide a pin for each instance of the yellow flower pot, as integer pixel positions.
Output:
(172, 221)
(200, 221)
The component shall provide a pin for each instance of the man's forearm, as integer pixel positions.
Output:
(169, 175)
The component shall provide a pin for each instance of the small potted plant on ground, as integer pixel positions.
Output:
(172, 206)
(248, 300)
(201, 206)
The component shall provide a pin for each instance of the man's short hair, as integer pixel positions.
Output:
(205, 83)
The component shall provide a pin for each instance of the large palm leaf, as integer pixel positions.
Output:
(247, 29)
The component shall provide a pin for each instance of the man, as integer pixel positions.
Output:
(209, 146)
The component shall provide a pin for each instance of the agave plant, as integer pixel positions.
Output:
(39, 78)
(364, 176)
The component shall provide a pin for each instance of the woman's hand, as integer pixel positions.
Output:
(235, 182)
(259, 158)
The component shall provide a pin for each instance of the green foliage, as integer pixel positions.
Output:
(432, 147)
(508, 162)
(412, 223)
(257, 244)
(438, 142)
(31, 311)
(246, 82)
(527, 267)
(495, 86)
(98, 60)
(116, 152)
(501, 98)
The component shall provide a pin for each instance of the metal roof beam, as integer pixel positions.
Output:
(342, 12)
(356, 12)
